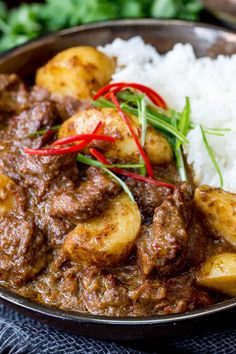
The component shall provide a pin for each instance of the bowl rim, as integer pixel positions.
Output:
(103, 24)
(55, 313)
(10, 297)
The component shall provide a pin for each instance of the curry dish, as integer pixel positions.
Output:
(94, 214)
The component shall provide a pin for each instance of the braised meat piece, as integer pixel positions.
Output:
(163, 245)
(23, 248)
(70, 237)
(13, 96)
(147, 196)
(88, 200)
(67, 106)
(16, 136)
(198, 238)
(42, 115)
(102, 293)
(40, 173)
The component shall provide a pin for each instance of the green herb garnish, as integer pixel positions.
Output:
(43, 131)
(29, 21)
(143, 123)
(212, 156)
(91, 162)
(88, 161)
(173, 125)
(184, 121)
(122, 183)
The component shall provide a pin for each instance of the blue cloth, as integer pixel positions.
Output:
(22, 335)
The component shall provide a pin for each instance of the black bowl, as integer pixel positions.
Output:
(207, 41)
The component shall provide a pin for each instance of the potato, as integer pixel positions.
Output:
(107, 239)
(219, 273)
(7, 199)
(219, 208)
(124, 149)
(76, 72)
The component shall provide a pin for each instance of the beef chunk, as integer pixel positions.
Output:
(13, 95)
(23, 250)
(41, 172)
(163, 245)
(16, 136)
(41, 115)
(198, 237)
(102, 294)
(67, 106)
(88, 200)
(147, 196)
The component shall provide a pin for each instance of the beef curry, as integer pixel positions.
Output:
(71, 236)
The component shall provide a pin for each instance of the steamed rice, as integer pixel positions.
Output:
(211, 87)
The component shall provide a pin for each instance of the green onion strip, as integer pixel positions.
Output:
(212, 156)
(143, 123)
(173, 125)
(105, 168)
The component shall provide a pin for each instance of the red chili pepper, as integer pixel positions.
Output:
(57, 151)
(63, 150)
(47, 136)
(100, 157)
(79, 137)
(98, 127)
(123, 172)
(136, 139)
(119, 86)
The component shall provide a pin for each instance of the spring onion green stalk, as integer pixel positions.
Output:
(180, 164)
(152, 118)
(212, 156)
(43, 131)
(122, 183)
(184, 121)
(175, 118)
(216, 131)
(173, 125)
(91, 162)
(143, 123)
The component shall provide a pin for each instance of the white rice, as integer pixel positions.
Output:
(211, 87)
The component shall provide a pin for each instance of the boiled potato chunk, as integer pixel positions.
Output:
(124, 149)
(219, 208)
(76, 72)
(107, 239)
(7, 199)
(219, 273)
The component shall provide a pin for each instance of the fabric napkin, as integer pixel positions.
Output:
(22, 335)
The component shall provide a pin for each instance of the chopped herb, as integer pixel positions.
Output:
(43, 131)
(217, 131)
(180, 164)
(153, 118)
(122, 183)
(143, 122)
(212, 156)
(88, 161)
(173, 125)
(184, 121)
(29, 21)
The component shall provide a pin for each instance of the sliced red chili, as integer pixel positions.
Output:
(79, 137)
(57, 151)
(100, 157)
(64, 150)
(136, 139)
(123, 172)
(47, 136)
(119, 86)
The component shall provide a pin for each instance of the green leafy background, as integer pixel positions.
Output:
(29, 21)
